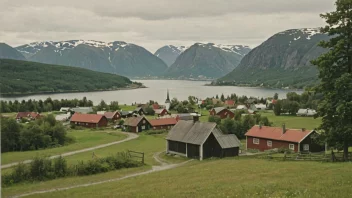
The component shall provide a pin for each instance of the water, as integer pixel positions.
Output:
(156, 91)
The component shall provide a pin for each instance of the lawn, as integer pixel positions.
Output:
(296, 122)
(84, 139)
(235, 177)
(127, 107)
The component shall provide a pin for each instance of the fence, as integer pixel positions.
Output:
(135, 154)
(322, 156)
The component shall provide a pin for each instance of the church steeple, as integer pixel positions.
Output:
(167, 97)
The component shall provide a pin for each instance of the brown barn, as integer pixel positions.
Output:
(112, 115)
(222, 112)
(297, 140)
(89, 120)
(160, 112)
(28, 115)
(136, 124)
(165, 123)
(201, 140)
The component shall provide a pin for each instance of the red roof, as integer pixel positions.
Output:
(110, 115)
(27, 114)
(87, 118)
(155, 106)
(275, 133)
(230, 102)
(163, 122)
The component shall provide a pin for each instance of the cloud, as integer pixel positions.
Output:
(153, 24)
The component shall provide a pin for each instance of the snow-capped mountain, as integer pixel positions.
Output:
(282, 60)
(113, 57)
(207, 60)
(169, 53)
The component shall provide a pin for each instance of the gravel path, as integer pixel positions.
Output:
(163, 166)
(131, 136)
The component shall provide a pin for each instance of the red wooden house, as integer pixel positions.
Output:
(136, 124)
(89, 120)
(222, 112)
(112, 115)
(164, 123)
(266, 138)
(28, 115)
(229, 103)
(160, 112)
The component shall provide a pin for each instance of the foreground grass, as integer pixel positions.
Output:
(84, 139)
(236, 177)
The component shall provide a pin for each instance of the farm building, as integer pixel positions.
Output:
(241, 107)
(306, 112)
(260, 106)
(139, 111)
(230, 103)
(28, 115)
(136, 124)
(89, 120)
(63, 117)
(297, 140)
(82, 109)
(200, 140)
(222, 112)
(164, 123)
(126, 114)
(160, 112)
(112, 115)
(65, 109)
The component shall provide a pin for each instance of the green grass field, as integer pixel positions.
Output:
(84, 139)
(232, 177)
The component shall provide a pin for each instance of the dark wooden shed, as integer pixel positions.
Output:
(201, 140)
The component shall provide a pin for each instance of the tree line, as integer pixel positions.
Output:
(42, 106)
(43, 133)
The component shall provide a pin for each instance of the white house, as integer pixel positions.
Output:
(65, 109)
(241, 107)
(260, 106)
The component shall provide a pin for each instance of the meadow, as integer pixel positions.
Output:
(83, 139)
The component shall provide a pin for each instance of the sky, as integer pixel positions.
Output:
(155, 23)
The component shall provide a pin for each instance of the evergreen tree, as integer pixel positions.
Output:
(276, 96)
(222, 97)
(335, 73)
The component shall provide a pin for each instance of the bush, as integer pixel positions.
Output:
(283, 150)
(153, 132)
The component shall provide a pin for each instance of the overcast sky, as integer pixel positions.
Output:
(154, 23)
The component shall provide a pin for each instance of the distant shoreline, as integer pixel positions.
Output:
(210, 85)
(60, 92)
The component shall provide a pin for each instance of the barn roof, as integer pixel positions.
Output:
(226, 140)
(163, 122)
(218, 109)
(110, 115)
(26, 114)
(88, 118)
(276, 133)
(133, 121)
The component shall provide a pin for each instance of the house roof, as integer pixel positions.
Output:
(26, 114)
(229, 102)
(159, 111)
(82, 109)
(123, 113)
(155, 106)
(133, 121)
(218, 109)
(241, 107)
(197, 133)
(226, 141)
(275, 133)
(88, 118)
(110, 115)
(138, 109)
(163, 122)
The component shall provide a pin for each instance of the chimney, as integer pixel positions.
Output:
(195, 117)
(283, 128)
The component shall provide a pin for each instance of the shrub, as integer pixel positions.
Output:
(153, 132)
(283, 150)
(60, 167)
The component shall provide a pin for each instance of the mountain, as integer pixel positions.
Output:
(169, 53)
(22, 77)
(8, 52)
(281, 61)
(114, 57)
(206, 60)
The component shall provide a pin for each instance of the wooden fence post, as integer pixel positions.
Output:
(143, 158)
(285, 156)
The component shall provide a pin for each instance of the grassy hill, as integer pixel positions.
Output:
(22, 77)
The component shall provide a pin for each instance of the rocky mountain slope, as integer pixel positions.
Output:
(169, 53)
(7, 52)
(114, 57)
(206, 60)
(281, 61)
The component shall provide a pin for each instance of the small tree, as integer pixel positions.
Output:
(277, 108)
(150, 111)
(215, 119)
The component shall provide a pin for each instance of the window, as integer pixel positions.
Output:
(143, 121)
(225, 113)
(75, 122)
(143, 127)
(269, 143)
(86, 124)
(306, 147)
(291, 146)
(255, 141)
(154, 127)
